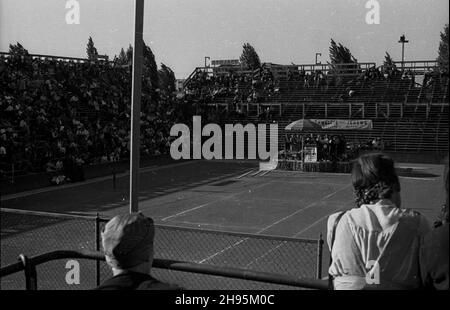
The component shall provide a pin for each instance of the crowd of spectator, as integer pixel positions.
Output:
(236, 88)
(59, 115)
(334, 148)
(242, 87)
(390, 84)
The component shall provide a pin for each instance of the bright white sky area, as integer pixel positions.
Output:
(182, 32)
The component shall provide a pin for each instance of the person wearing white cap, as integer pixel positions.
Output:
(128, 246)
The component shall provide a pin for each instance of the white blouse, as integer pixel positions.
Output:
(376, 244)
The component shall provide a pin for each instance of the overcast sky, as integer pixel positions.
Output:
(182, 32)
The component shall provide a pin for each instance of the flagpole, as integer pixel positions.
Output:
(136, 104)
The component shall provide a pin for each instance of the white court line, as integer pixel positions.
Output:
(94, 180)
(214, 201)
(257, 172)
(305, 208)
(200, 224)
(315, 223)
(275, 223)
(421, 179)
(294, 236)
(187, 211)
(222, 251)
(266, 172)
(243, 175)
(320, 220)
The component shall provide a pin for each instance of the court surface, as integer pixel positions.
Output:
(232, 196)
(229, 196)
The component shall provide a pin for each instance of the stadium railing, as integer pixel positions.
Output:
(418, 66)
(28, 266)
(101, 58)
(41, 232)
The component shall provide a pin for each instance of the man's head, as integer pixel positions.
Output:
(128, 241)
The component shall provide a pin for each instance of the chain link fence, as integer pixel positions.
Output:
(35, 233)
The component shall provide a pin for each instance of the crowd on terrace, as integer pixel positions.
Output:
(261, 85)
(59, 114)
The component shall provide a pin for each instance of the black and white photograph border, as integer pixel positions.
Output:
(227, 152)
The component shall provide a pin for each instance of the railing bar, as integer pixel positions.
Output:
(241, 274)
(52, 214)
(179, 266)
(10, 269)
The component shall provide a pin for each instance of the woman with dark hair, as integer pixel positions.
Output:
(376, 244)
(434, 251)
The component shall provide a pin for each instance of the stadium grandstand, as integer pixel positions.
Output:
(73, 120)
(408, 116)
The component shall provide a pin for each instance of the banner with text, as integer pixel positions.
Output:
(310, 154)
(344, 124)
(225, 62)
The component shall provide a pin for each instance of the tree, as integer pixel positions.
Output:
(17, 50)
(443, 50)
(249, 58)
(122, 58)
(150, 66)
(388, 63)
(166, 79)
(129, 54)
(340, 54)
(91, 51)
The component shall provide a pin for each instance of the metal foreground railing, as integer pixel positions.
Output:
(28, 265)
(240, 254)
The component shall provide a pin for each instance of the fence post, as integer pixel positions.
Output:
(30, 273)
(97, 248)
(319, 256)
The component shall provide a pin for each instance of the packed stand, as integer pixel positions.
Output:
(58, 115)
(375, 84)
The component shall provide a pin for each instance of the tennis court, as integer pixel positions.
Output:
(212, 196)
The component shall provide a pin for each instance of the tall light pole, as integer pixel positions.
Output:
(136, 105)
(403, 41)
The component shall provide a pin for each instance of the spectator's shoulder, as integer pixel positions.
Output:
(331, 223)
(332, 219)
